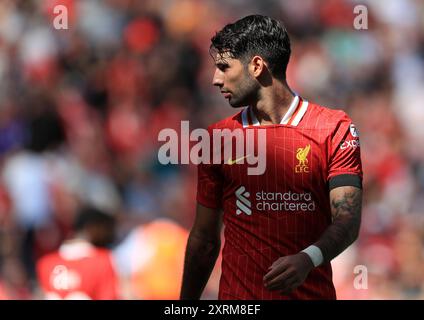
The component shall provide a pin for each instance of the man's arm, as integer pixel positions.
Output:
(288, 272)
(203, 246)
(346, 207)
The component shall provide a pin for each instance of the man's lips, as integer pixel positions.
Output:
(226, 94)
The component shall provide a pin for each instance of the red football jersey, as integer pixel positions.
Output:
(287, 208)
(78, 271)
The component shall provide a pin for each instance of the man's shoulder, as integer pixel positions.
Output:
(320, 116)
(232, 122)
(48, 260)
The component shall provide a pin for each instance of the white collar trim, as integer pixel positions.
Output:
(287, 119)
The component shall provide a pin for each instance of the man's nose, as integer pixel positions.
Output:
(218, 79)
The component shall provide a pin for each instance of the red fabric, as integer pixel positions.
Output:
(253, 242)
(3, 292)
(91, 277)
(5, 206)
(125, 130)
(140, 35)
(50, 5)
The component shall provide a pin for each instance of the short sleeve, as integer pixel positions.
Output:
(108, 280)
(209, 183)
(345, 167)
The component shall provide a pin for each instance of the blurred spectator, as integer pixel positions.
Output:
(82, 268)
(26, 175)
(150, 261)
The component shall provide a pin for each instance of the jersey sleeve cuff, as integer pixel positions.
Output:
(206, 203)
(344, 180)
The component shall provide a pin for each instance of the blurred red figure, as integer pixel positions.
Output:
(82, 268)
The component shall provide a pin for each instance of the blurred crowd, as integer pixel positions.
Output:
(81, 109)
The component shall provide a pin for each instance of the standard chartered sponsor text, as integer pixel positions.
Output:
(287, 201)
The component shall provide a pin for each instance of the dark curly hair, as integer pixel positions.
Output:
(255, 35)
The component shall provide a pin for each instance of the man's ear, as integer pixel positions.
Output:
(256, 66)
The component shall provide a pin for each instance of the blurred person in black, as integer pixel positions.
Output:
(27, 176)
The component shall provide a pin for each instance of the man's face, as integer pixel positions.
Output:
(234, 81)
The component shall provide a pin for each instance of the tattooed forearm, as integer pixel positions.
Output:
(346, 205)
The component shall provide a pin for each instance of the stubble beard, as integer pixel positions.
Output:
(246, 94)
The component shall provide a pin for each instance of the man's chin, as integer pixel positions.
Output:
(235, 104)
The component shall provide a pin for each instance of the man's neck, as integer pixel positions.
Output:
(273, 103)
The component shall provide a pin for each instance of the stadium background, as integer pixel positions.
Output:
(80, 111)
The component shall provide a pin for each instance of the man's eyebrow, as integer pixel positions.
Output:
(221, 64)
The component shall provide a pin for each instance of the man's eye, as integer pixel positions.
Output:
(222, 66)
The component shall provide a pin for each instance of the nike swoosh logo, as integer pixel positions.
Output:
(231, 162)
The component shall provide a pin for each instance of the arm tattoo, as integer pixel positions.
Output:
(346, 214)
(349, 203)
